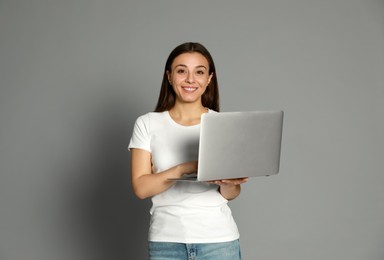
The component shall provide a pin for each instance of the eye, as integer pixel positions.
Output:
(180, 71)
(200, 72)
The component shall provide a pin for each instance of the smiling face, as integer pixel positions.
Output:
(189, 77)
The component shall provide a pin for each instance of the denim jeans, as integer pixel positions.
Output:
(206, 251)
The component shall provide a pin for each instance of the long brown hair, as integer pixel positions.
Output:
(167, 97)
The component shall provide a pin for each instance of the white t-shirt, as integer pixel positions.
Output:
(187, 212)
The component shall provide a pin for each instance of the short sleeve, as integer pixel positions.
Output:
(141, 135)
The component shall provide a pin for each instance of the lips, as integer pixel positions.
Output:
(189, 89)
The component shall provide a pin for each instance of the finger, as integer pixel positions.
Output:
(235, 181)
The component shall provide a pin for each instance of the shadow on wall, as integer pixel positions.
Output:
(105, 216)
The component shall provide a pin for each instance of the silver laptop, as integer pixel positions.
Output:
(238, 144)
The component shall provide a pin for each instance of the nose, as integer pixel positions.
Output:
(190, 78)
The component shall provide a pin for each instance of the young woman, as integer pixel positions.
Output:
(188, 219)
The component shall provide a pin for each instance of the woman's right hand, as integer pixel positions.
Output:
(145, 184)
(187, 167)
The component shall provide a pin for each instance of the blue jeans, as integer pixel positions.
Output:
(206, 251)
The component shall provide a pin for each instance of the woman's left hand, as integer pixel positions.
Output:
(229, 182)
(229, 188)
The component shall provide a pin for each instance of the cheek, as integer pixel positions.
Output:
(177, 79)
(204, 88)
(204, 83)
(174, 88)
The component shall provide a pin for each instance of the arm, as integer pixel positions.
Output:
(230, 189)
(144, 183)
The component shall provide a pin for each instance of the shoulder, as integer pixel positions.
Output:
(146, 124)
(212, 111)
(150, 118)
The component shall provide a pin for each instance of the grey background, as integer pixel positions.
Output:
(76, 74)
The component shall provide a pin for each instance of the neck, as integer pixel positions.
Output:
(187, 114)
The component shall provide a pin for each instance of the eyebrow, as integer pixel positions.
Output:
(183, 65)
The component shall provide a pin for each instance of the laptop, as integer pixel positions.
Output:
(238, 144)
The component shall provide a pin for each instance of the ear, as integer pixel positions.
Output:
(169, 76)
(210, 77)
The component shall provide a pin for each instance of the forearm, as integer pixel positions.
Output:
(148, 185)
(230, 192)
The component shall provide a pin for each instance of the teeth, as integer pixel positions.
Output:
(190, 89)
